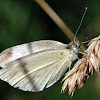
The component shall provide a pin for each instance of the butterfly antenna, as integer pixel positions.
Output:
(80, 23)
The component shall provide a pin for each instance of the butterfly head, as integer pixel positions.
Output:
(74, 46)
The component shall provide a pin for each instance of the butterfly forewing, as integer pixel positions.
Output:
(19, 51)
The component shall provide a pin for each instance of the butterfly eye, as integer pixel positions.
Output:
(74, 46)
(67, 47)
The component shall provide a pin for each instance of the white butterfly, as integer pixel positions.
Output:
(36, 65)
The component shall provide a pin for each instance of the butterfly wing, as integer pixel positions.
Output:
(40, 78)
(36, 71)
(19, 51)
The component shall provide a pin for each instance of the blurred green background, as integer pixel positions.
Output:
(23, 21)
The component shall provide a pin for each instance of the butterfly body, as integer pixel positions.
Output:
(36, 65)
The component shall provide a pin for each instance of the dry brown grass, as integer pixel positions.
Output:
(84, 67)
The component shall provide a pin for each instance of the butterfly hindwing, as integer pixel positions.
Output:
(36, 71)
